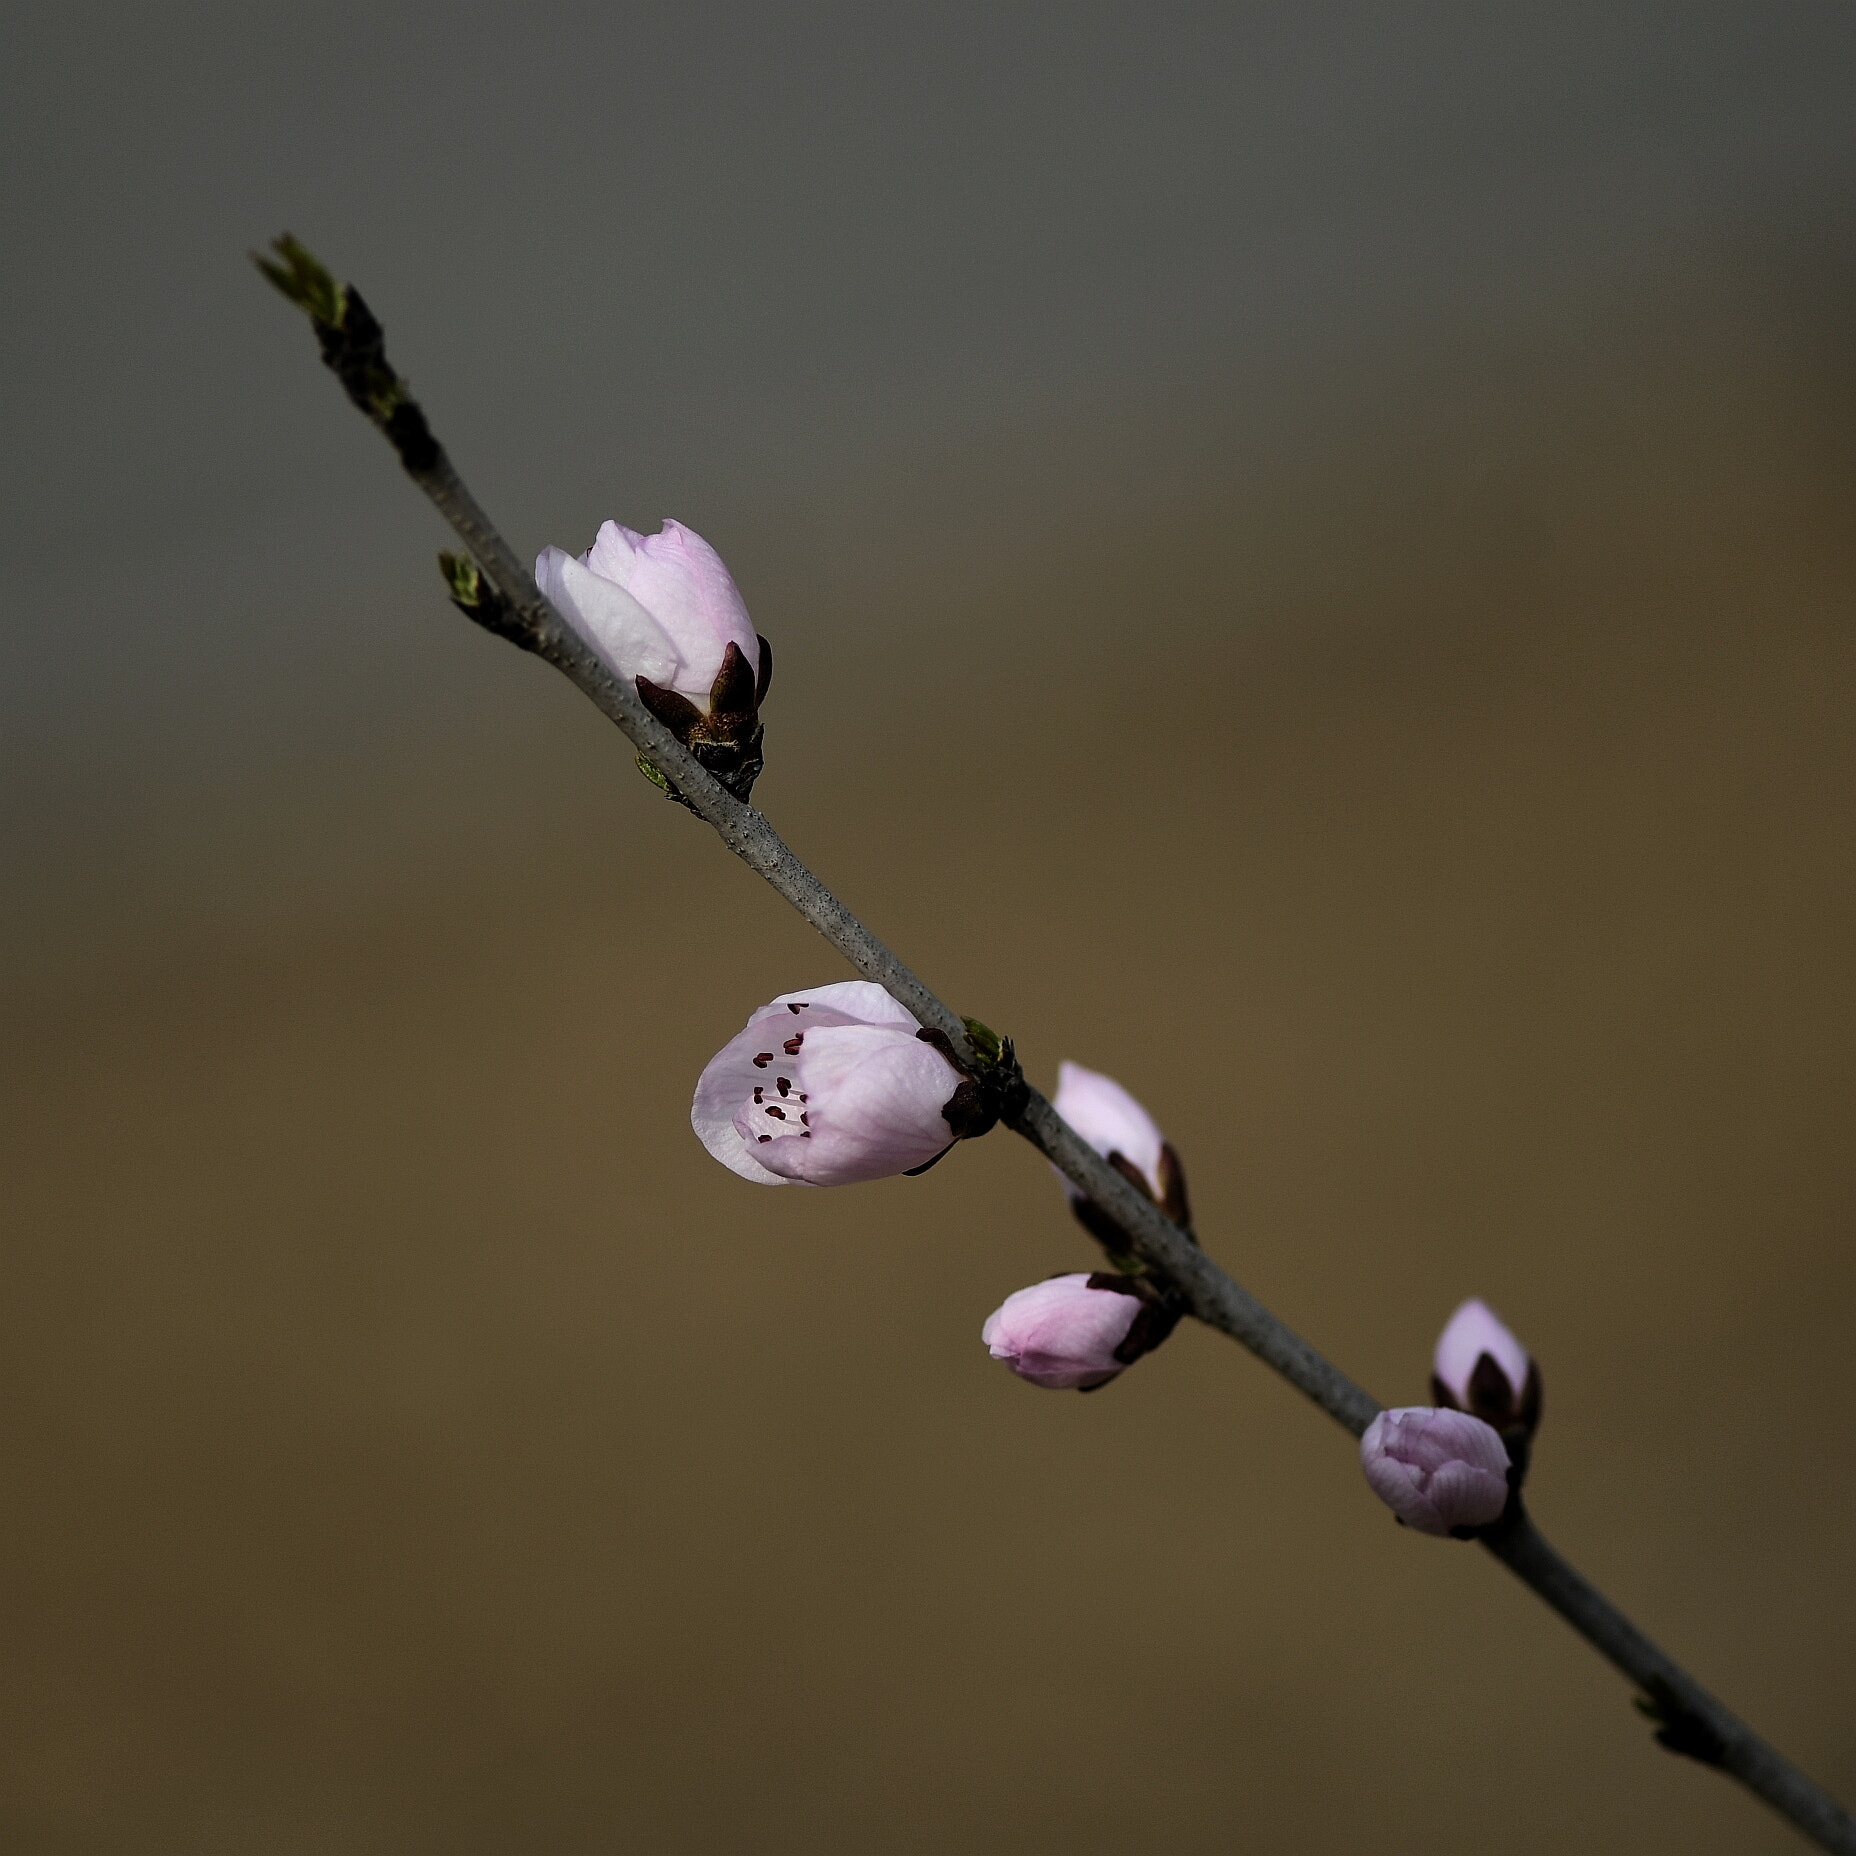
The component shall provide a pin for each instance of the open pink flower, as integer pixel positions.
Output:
(661, 607)
(1064, 1334)
(1438, 1471)
(1480, 1367)
(827, 1087)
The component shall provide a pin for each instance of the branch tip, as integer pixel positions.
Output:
(301, 277)
(354, 348)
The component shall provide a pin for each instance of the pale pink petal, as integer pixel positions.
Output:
(861, 1001)
(1109, 1119)
(873, 1101)
(626, 637)
(1471, 1332)
(731, 1076)
(1436, 1469)
(829, 1086)
(1061, 1334)
(681, 581)
(729, 1079)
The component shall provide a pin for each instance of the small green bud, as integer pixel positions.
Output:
(305, 280)
(462, 580)
(987, 1044)
(655, 777)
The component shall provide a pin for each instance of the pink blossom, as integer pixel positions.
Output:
(827, 1087)
(1480, 1367)
(1438, 1471)
(1111, 1121)
(1064, 1334)
(661, 607)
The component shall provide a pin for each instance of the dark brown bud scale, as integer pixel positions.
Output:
(727, 740)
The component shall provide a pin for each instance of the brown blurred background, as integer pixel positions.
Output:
(1310, 557)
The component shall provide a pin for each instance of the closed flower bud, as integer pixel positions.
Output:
(1128, 1138)
(1480, 1367)
(662, 611)
(1076, 1332)
(1442, 1472)
(827, 1088)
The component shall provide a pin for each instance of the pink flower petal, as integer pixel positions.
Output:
(681, 581)
(1436, 1469)
(826, 1087)
(626, 637)
(1109, 1119)
(1061, 1334)
(1470, 1333)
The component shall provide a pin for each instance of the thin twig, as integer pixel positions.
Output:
(1689, 1719)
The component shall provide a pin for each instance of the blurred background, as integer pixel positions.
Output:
(1310, 556)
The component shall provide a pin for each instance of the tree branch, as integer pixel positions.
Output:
(353, 345)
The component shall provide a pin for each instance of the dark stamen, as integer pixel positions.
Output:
(762, 1061)
(765, 1138)
(784, 1085)
(779, 1114)
(792, 1044)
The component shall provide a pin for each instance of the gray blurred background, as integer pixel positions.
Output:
(1310, 556)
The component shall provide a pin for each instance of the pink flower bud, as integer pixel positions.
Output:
(1123, 1133)
(1442, 1472)
(1110, 1120)
(826, 1088)
(1070, 1333)
(1480, 1367)
(661, 607)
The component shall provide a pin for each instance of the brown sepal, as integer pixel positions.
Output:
(1131, 1173)
(727, 744)
(940, 1041)
(1491, 1396)
(766, 669)
(967, 1111)
(982, 1098)
(1173, 1200)
(732, 692)
(676, 712)
(1527, 1413)
(1107, 1232)
(1159, 1313)
(1152, 1325)
(915, 1172)
(1103, 1229)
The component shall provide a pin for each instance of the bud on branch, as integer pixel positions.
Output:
(1441, 1472)
(1078, 1332)
(835, 1086)
(664, 613)
(1129, 1139)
